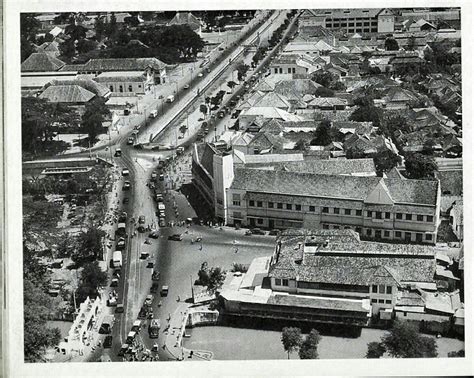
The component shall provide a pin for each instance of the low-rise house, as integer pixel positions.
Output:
(72, 95)
(186, 18)
(327, 103)
(293, 64)
(41, 62)
(420, 25)
(247, 116)
(456, 219)
(130, 82)
(152, 67)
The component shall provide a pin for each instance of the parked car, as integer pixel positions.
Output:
(144, 255)
(126, 185)
(126, 200)
(164, 291)
(153, 175)
(149, 300)
(162, 223)
(154, 328)
(125, 172)
(121, 244)
(186, 86)
(255, 231)
(119, 309)
(154, 287)
(154, 235)
(150, 264)
(123, 350)
(114, 282)
(141, 219)
(274, 232)
(175, 237)
(130, 141)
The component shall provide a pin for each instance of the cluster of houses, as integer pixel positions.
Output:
(354, 247)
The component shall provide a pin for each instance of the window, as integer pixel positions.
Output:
(120, 88)
(382, 289)
(429, 218)
(399, 216)
(235, 197)
(387, 215)
(270, 205)
(369, 232)
(259, 204)
(289, 69)
(359, 213)
(419, 237)
(237, 214)
(335, 227)
(429, 237)
(276, 70)
(236, 203)
(408, 217)
(389, 290)
(408, 236)
(325, 227)
(298, 207)
(278, 281)
(378, 215)
(251, 203)
(111, 88)
(281, 70)
(285, 282)
(378, 234)
(336, 210)
(312, 208)
(374, 289)
(386, 234)
(369, 214)
(289, 206)
(139, 85)
(373, 301)
(388, 301)
(419, 218)
(398, 234)
(326, 210)
(130, 89)
(381, 301)
(259, 220)
(347, 211)
(279, 205)
(358, 229)
(294, 70)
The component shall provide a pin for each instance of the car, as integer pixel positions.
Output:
(164, 291)
(186, 86)
(137, 324)
(162, 223)
(111, 302)
(125, 172)
(108, 341)
(141, 228)
(153, 175)
(126, 185)
(274, 232)
(126, 200)
(154, 235)
(175, 237)
(149, 300)
(122, 217)
(154, 328)
(123, 350)
(255, 231)
(130, 141)
(159, 197)
(155, 276)
(121, 244)
(161, 178)
(154, 287)
(150, 264)
(114, 282)
(141, 219)
(144, 255)
(119, 309)
(137, 127)
(200, 74)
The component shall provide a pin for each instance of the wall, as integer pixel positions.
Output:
(125, 87)
(223, 166)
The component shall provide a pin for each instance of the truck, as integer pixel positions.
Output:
(107, 324)
(154, 329)
(154, 114)
(117, 259)
(170, 99)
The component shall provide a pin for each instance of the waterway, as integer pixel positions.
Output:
(229, 343)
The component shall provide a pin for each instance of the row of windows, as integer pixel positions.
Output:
(386, 301)
(381, 289)
(130, 88)
(337, 211)
(382, 234)
(281, 282)
(350, 24)
(280, 70)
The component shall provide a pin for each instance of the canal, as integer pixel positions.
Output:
(229, 343)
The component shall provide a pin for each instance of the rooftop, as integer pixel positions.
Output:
(128, 64)
(67, 94)
(40, 62)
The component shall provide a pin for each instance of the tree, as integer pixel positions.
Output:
(386, 160)
(405, 341)
(411, 43)
(89, 246)
(92, 277)
(309, 347)
(322, 135)
(95, 113)
(394, 123)
(85, 45)
(37, 310)
(26, 48)
(291, 339)
(216, 279)
(67, 49)
(184, 39)
(242, 71)
(75, 32)
(375, 350)
(366, 112)
(99, 27)
(419, 166)
(391, 44)
(203, 109)
(112, 25)
(301, 145)
(459, 353)
(324, 78)
(231, 84)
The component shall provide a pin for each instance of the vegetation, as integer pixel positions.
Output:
(391, 44)
(236, 267)
(29, 26)
(89, 246)
(420, 166)
(309, 347)
(92, 278)
(95, 114)
(366, 111)
(242, 71)
(459, 353)
(385, 161)
(213, 278)
(323, 134)
(291, 339)
(403, 341)
(301, 145)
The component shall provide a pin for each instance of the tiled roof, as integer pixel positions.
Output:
(41, 62)
(298, 86)
(348, 13)
(270, 112)
(88, 84)
(332, 304)
(128, 64)
(327, 102)
(185, 18)
(122, 76)
(332, 166)
(333, 186)
(72, 67)
(273, 99)
(67, 94)
(451, 181)
(339, 257)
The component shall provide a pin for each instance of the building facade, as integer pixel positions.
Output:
(377, 208)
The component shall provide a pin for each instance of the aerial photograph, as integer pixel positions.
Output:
(242, 184)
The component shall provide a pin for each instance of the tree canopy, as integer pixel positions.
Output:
(213, 278)
(420, 166)
(291, 339)
(92, 277)
(405, 341)
(309, 347)
(366, 111)
(391, 44)
(375, 350)
(385, 161)
(95, 113)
